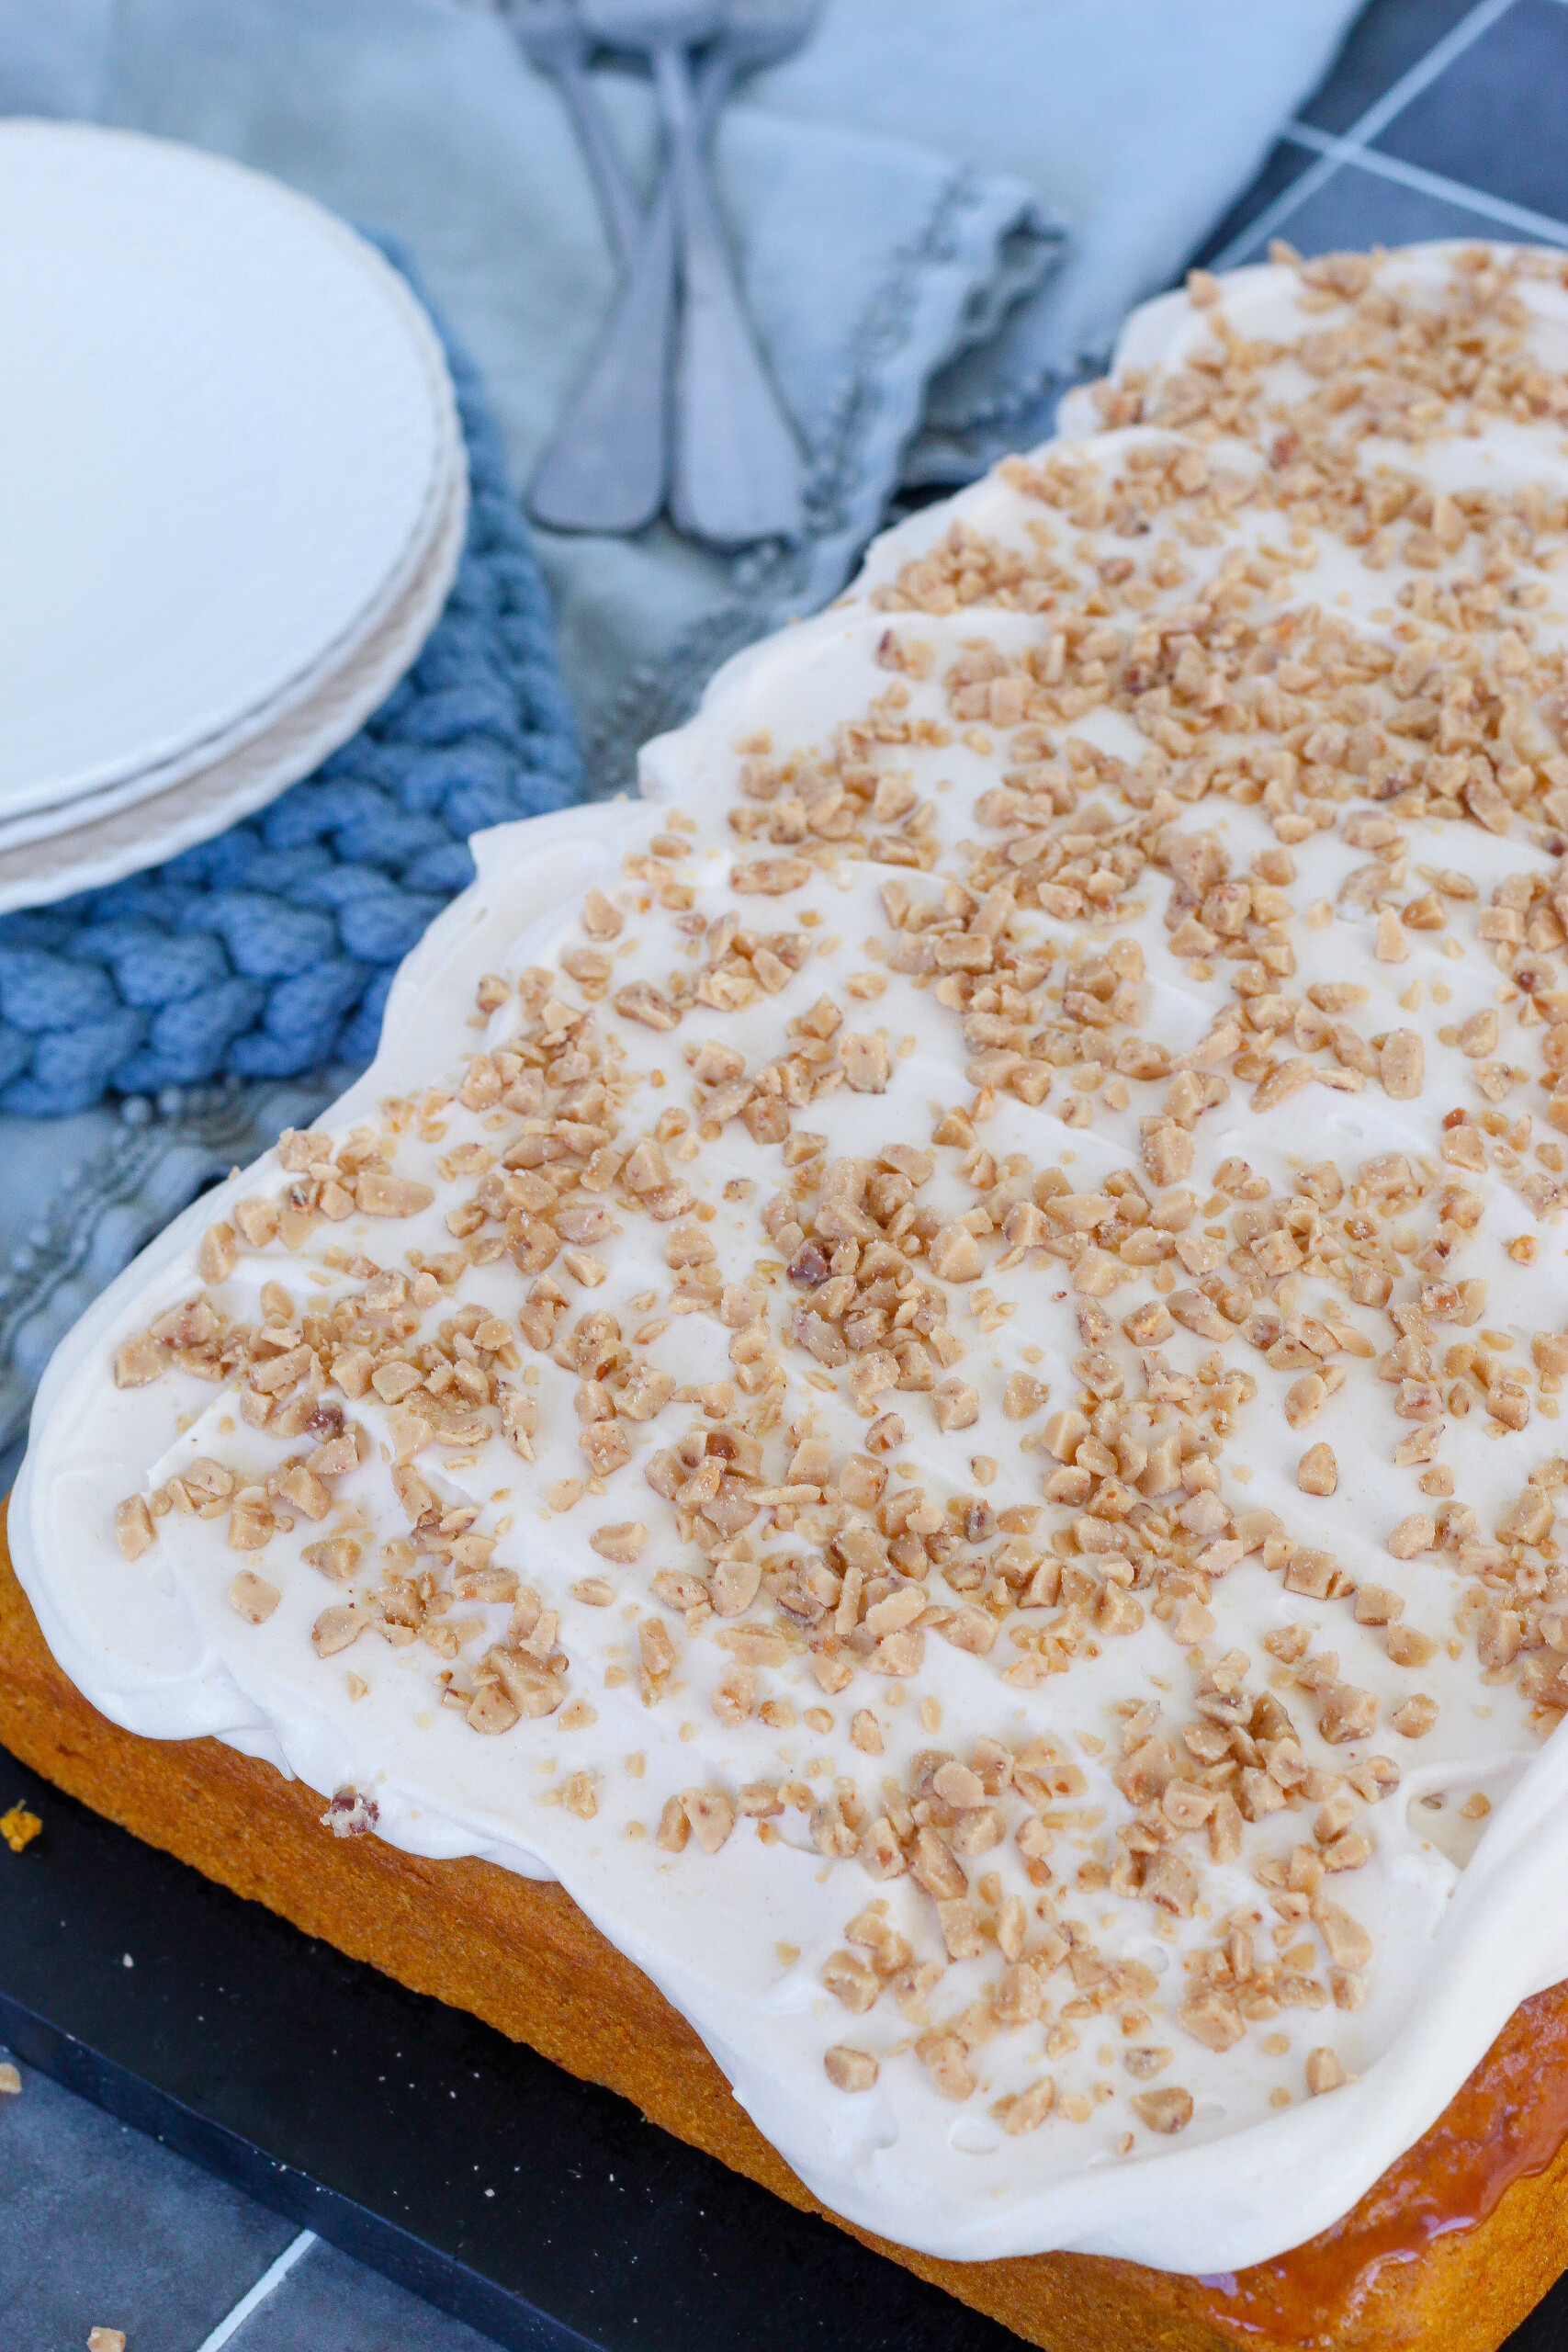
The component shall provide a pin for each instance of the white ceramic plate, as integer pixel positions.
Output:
(88, 808)
(36, 873)
(225, 429)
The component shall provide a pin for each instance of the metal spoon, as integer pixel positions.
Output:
(553, 39)
(606, 467)
(736, 470)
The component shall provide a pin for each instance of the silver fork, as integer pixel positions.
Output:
(736, 472)
(553, 38)
(758, 33)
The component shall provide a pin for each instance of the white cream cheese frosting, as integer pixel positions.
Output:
(925, 1368)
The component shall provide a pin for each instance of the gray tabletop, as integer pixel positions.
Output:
(1441, 119)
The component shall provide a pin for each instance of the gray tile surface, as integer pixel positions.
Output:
(1384, 43)
(1497, 118)
(1481, 135)
(328, 2303)
(132, 2237)
(1355, 207)
(1284, 167)
(105, 2228)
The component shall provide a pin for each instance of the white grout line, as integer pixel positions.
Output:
(1424, 70)
(1273, 217)
(269, 2279)
(1377, 118)
(1436, 184)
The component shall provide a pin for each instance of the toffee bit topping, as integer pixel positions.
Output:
(252, 1598)
(350, 1814)
(1324, 2070)
(1165, 2110)
(851, 2070)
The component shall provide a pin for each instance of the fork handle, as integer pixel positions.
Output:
(617, 203)
(607, 466)
(736, 473)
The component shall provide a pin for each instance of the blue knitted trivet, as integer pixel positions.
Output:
(270, 950)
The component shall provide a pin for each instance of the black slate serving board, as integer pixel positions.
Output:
(380, 2119)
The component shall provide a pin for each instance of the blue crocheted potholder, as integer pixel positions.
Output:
(270, 951)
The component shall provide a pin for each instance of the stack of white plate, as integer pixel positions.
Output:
(232, 496)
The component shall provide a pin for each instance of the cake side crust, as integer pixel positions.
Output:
(519, 1954)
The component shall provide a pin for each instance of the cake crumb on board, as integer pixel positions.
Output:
(18, 1826)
